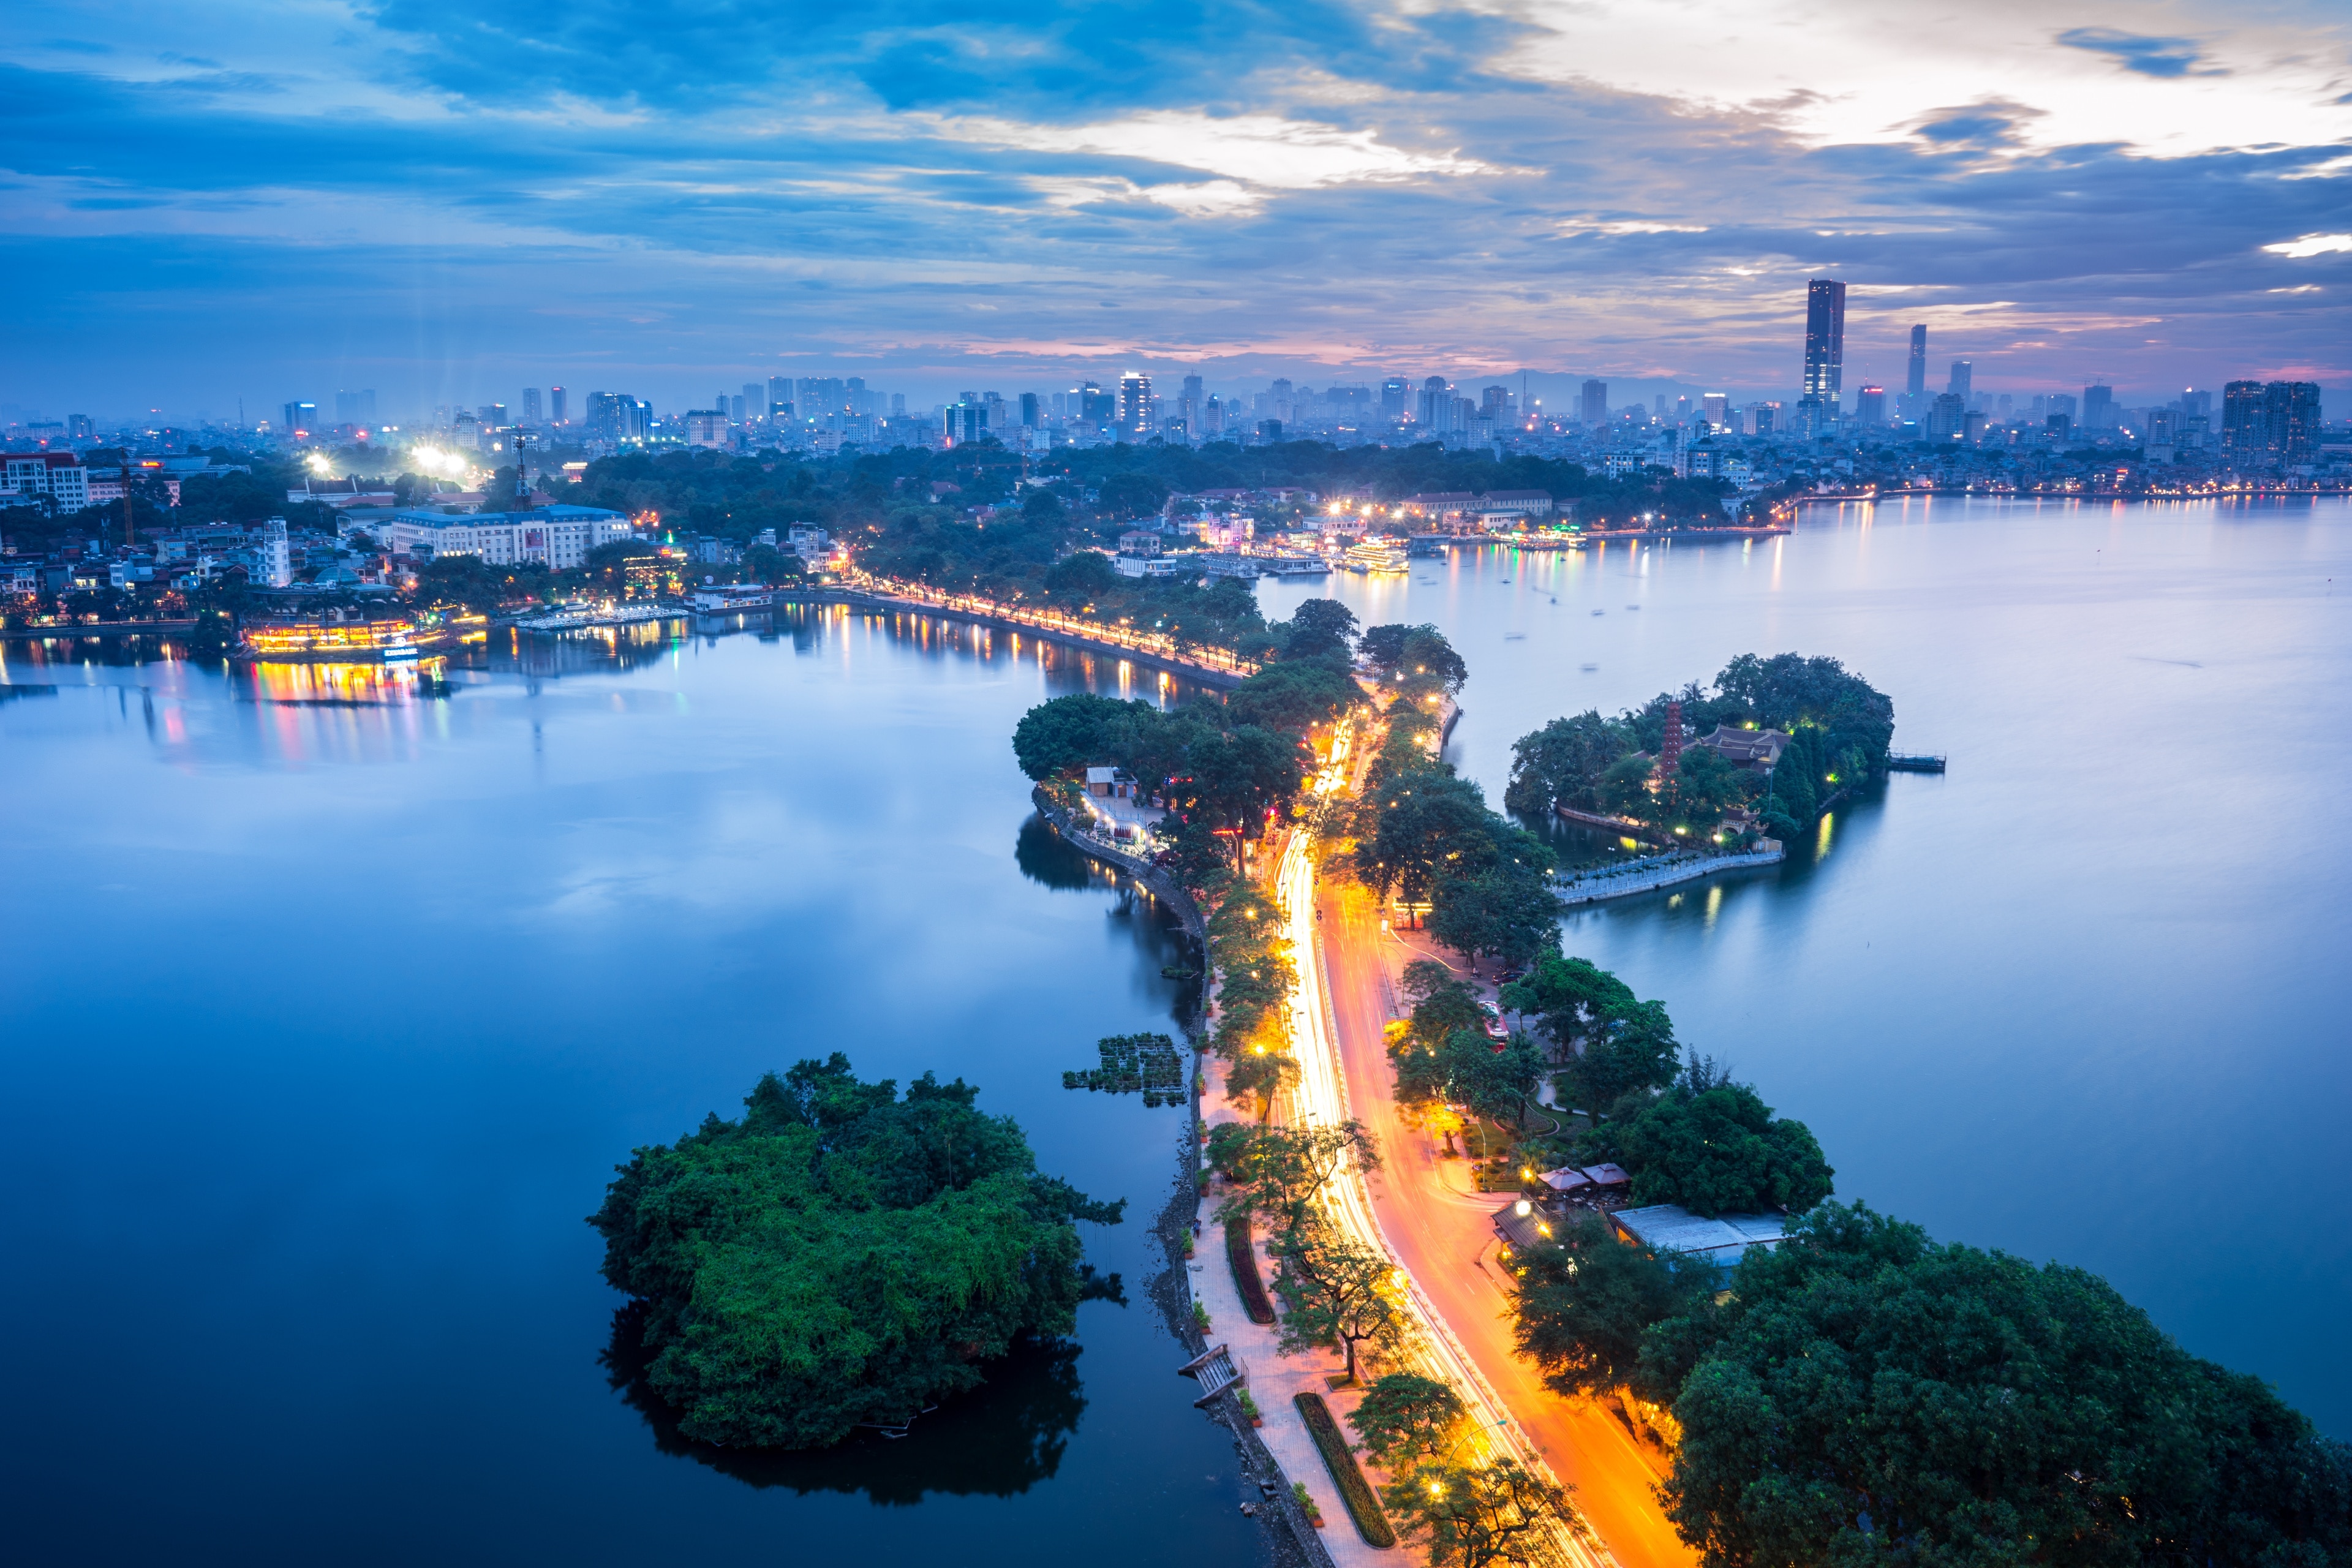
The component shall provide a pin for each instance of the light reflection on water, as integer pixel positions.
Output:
(345, 992)
(2083, 996)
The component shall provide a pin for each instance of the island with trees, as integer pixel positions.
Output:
(840, 1256)
(1763, 753)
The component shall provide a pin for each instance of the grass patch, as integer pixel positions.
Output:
(1363, 1504)
(1255, 1300)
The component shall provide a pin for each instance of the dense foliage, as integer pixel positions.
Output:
(1582, 1307)
(1613, 1048)
(840, 1254)
(1714, 1148)
(1839, 728)
(1863, 1393)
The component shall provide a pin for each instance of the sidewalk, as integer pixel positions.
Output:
(1272, 1377)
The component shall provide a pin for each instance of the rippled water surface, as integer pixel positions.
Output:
(2085, 996)
(326, 1015)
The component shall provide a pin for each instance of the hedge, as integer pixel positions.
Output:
(1363, 1505)
(1255, 1300)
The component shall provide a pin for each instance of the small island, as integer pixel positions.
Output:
(841, 1256)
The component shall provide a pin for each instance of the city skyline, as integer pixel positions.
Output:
(2147, 195)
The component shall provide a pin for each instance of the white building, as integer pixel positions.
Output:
(558, 536)
(277, 558)
(57, 475)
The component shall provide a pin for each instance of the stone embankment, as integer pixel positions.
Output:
(1652, 872)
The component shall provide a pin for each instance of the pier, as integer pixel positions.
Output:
(1921, 762)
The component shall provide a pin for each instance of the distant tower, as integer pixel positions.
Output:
(1824, 339)
(1918, 381)
(1670, 754)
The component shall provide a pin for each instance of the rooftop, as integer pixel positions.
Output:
(1670, 1227)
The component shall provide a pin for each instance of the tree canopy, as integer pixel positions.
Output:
(1715, 1148)
(1863, 1393)
(840, 1254)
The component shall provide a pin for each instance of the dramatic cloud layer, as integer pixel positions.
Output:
(444, 203)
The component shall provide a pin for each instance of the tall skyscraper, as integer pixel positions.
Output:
(1870, 405)
(780, 397)
(1963, 379)
(2098, 407)
(300, 418)
(755, 400)
(1188, 406)
(1394, 392)
(2270, 427)
(557, 410)
(1134, 400)
(530, 406)
(1029, 411)
(1824, 339)
(1594, 405)
(1715, 408)
(1918, 381)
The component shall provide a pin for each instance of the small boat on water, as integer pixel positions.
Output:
(1376, 560)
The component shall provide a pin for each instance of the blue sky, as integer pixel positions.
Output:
(269, 199)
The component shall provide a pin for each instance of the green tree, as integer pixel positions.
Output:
(1290, 696)
(1507, 912)
(1258, 1076)
(1474, 1518)
(1430, 827)
(1337, 1291)
(1719, 1148)
(1070, 732)
(1575, 999)
(1405, 1416)
(1278, 1173)
(1562, 763)
(840, 1254)
(1863, 1393)
(1317, 629)
(1635, 1053)
(1441, 1003)
(1579, 1310)
(1082, 577)
(1132, 495)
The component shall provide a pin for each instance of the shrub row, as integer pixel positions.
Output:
(1255, 1300)
(1363, 1505)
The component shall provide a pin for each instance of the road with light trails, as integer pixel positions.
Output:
(1435, 1233)
(1444, 1238)
(1321, 1097)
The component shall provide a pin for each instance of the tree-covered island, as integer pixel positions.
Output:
(1765, 750)
(840, 1256)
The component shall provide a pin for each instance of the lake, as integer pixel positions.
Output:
(328, 1014)
(2084, 998)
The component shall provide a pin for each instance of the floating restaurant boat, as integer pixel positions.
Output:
(1377, 560)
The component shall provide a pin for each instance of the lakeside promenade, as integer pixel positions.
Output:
(1210, 667)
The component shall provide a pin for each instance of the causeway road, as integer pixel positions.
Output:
(1443, 1235)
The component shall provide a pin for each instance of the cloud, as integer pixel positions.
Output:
(459, 202)
(2135, 52)
(2312, 245)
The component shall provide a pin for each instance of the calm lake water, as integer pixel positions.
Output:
(325, 1022)
(2086, 996)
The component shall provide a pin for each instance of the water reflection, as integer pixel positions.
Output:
(999, 1440)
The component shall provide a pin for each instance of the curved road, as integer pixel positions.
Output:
(1443, 1238)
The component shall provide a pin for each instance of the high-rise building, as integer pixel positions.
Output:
(617, 417)
(1029, 411)
(755, 400)
(898, 405)
(355, 408)
(530, 406)
(1436, 412)
(2195, 404)
(966, 419)
(2098, 407)
(1917, 382)
(1134, 400)
(738, 408)
(1594, 405)
(1962, 378)
(557, 411)
(1494, 402)
(1824, 339)
(2270, 427)
(780, 395)
(300, 418)
(1394, 392)
(1869, 406)
(1715, 408)
(1948, 417)
(1095, 405)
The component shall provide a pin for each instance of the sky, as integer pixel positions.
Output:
(273, 199)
